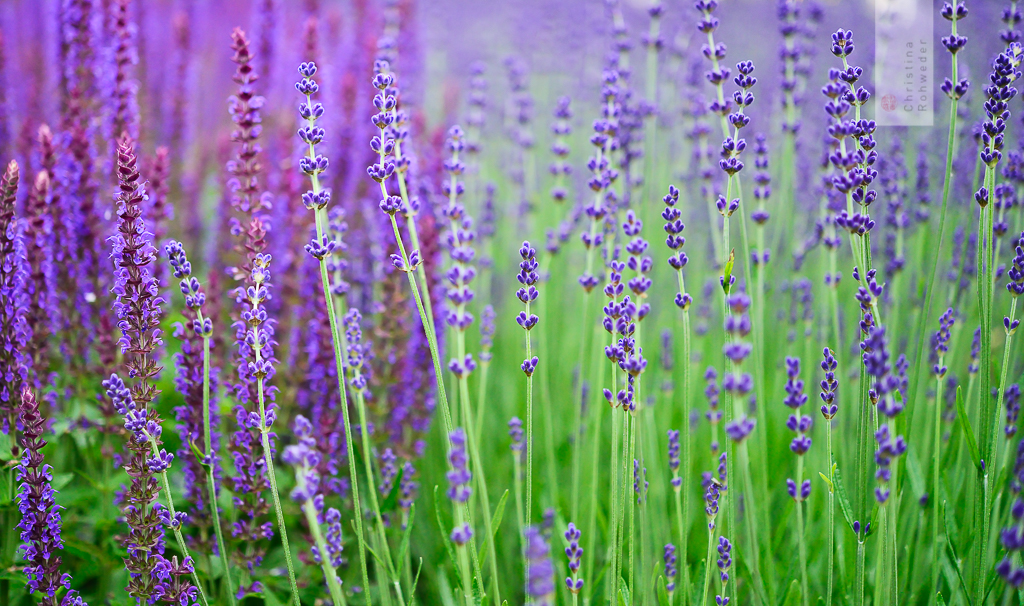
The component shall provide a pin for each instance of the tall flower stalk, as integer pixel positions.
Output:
(41, 522)
(527, 294)
(326, 551)
(829, 408)
(316, 200)
(202, 327)
(998, 94)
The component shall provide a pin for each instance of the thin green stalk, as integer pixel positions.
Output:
(175, 527)
(1004, 368)
(860, 573)
(936, 443)
(330, 574)
(707, 563)
(831, 513)
(269, 460)
(578, 417)
(529, 426)
(801, 531)
(614, 465)
(211, 481)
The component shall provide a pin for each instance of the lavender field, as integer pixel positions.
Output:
(466, 302)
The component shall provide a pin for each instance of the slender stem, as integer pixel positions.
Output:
(707, 563)
(529, 427)
(175, 527)
(831, 513)
(269, 460)
(211, 480)
(330, 574)
(800, 529)
(936, 443)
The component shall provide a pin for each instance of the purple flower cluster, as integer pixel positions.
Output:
(527, 293)
(303, 455)
(673, 458)
(798, 423)
(829, 385)
(738, 384)
(540, 572)
(459, 478)
(890, 446)
(40, 523)
(674, 227)
(855, 172)
(14, 333)
(669, 557)
(603, 174)
(1012, 536)
(560, 168)
(940, 343)
(574, 552)
(714, 414)
(713, 490)
(151, 575)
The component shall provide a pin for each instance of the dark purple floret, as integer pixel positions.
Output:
(829, 385)
(574, 552)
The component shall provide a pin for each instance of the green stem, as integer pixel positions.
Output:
(175, 527)
(333, 585)
(269, 460)
(211, 480)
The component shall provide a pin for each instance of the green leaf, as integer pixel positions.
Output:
(391, 501)
(5, 447)
(624, 599)
(446, 538)
(367, 547)
(831, 487)
(951, 552)
(727, 274)
(939, 600)
(415, 581)
(499, 513)
(61, 480)
(662, 592)
(844, 500)
(965, 426)
(404, 546)
(917, 485)
(793, 595)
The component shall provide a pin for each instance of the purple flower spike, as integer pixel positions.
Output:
(829, 385)
(459, 477)
(574, 552)
(14, 335)
(40, 523)
(540, 572)
(669, 557)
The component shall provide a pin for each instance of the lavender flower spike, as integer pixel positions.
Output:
(40, 515)
(540, 572)
(574, 552)
(13, 328)
(305, 458)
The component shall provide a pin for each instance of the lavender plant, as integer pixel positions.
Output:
(325, 317)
